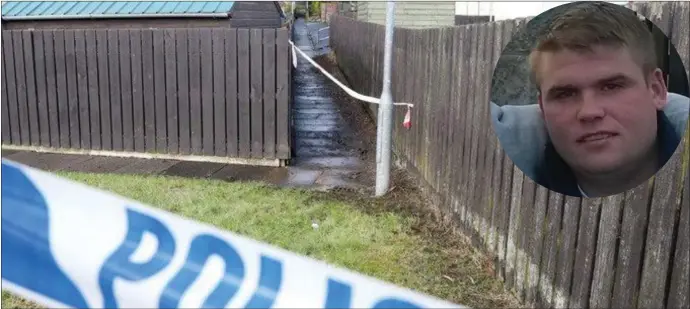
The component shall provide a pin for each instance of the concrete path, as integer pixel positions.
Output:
(322, 137)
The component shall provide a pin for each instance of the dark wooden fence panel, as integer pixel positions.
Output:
(629, 250)
(211, 92)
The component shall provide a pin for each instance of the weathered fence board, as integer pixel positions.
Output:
(554, 251)
(41, 98)
(602, 280)
(231, 91)
(206, 91)
(103, 89)
(219, 85)
(126, 92)
(269, 99)
(115, 87)
(32, 111)
(61, 77)
(20, 80)
(194, 45)
(149, 90)
(256, 92)
(138, 126)
(171, 91)
(93, 97)
(243, 87)
(51, 89)
(6, 138)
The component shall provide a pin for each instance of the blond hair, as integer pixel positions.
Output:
(587, 24)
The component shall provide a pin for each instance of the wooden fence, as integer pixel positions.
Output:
(554, 251)
(206, 92)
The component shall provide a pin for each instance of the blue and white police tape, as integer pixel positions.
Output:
(65, 244)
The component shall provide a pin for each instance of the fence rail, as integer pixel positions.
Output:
(209, 92)
(626, 251)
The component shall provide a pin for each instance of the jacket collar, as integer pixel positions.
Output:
(557, 176)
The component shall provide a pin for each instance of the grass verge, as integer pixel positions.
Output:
(371, 236)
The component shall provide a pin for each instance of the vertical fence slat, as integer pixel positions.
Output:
(554, 215)
(82, 89)
(231, 91)
(61, 77)
(536, 244)
(524, 234)
(584, 253)
(269, 78)
(171, 92)
(662, 221)
(103, 88)
(219, 92)
(72, 93)
(243, 90)
(115, 89)
(513, 227)
(256, 92)
(468, 168)
(93, 98)
(13, 106)
(566, 251)
(20, 79)
(604, 266)
(126, 90)
(51, 88)
(207, 91)
(283, 67)
(631, 244)
(6, 137)
(159, 92)
(678, 293)
(183, 91)
(195, 90)
(138, 127)
(148, 74)
(31, 106)
(495, 186)
(41, 98)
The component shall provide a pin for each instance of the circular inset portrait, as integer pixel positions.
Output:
(589, 99)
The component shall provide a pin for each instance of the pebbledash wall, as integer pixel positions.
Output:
(554, 251)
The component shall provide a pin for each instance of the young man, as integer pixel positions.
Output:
(601, 96)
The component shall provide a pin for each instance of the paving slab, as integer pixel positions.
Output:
(146, 166)
(301, 177)
(191, 169)
(272, 175)
(48, 161)
(100, 165)
(7, 152)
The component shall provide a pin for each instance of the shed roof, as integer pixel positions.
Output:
(113, 9)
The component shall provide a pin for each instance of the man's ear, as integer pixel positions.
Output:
(541, 105)
(657, 85)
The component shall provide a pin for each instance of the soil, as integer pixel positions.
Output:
(462, 260)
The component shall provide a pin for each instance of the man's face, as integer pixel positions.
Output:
(599, 108)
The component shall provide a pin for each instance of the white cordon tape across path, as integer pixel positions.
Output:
(65, 244)
(349, 91)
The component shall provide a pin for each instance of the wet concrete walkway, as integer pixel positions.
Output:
(321, 134)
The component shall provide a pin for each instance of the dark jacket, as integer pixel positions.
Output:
(556, 175)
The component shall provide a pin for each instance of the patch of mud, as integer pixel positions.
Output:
(462, 263)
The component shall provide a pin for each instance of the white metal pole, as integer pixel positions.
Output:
(385, 112)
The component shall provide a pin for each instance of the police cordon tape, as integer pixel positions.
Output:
(65, 244)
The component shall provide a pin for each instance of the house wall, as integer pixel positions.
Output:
(409, 14)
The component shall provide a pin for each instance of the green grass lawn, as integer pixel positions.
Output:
(383, 244)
